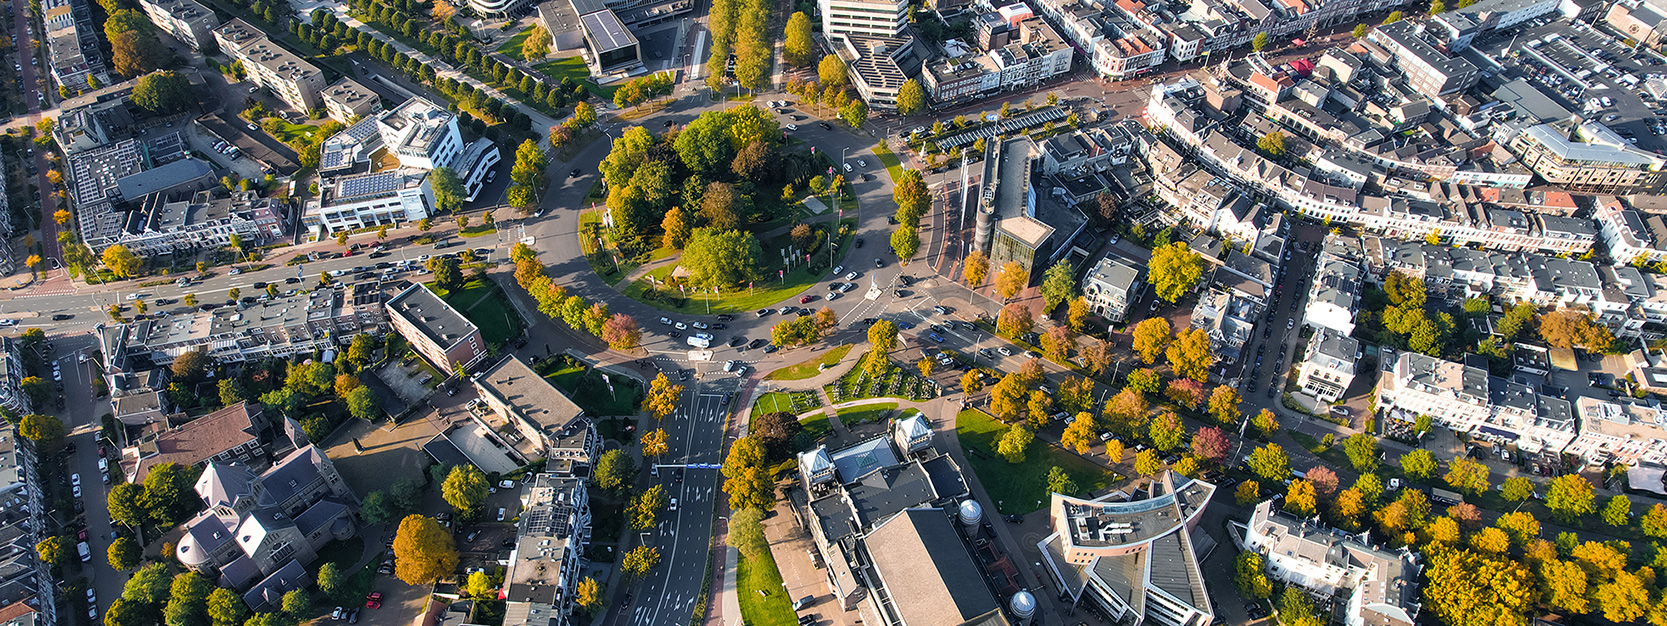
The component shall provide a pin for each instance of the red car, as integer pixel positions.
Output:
(805, 299)
(374, 601)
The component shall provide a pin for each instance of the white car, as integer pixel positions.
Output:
(862, 163)
(76, 491)
(5, 323)
(837, 269)
(792, 127)
(75, 479)
(665, 321)
(847, 167)
(672, 506)
(680, 326)
(851, 276)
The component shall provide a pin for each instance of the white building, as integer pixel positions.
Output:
(1377, 588)
(551, 536)
(1334, 295)
(1112, 286)
(1626, 433)
(187, 20)
(883, 18)
(1327, 366)
(1466, 400)
(291, 78)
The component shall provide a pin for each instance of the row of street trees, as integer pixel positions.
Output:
(619, 330)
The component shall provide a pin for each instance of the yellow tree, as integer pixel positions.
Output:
(1151, 337)
(423, 551)
(654, 442)
(1011, 279)
(977, 269)
(1080, 434)
(61, 217)
(589, 592)
(662, 397)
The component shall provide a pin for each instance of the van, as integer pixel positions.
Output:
(102, 465)
(85, 551)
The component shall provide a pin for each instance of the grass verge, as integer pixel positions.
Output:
(512, 46)
(1021, 487)
(573, 67)
(853, 415)
(763, 599)
(485, 304)
(894, 167)
(811, 367)
(587, 389)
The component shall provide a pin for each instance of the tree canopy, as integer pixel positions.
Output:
(163, 92)
(423, 551)
(1175, 269)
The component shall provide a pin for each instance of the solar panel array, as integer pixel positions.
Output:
(369, 185)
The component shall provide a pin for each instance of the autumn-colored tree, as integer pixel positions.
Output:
(654, 443)
(1147, 463)
(1419, 464)
(1248, 492)
(662, 397)
(1224, 404)
(1468, 587)
(1270, 463)
(1151, 337)
(1011, 279)
(1080, 435)
(1014, 443)
(423, 551)
(1348, 508)
(1300, 498)
(1014, 320)
(1467, 475)
(1569, 497)
(1265, 423)
(1190, 354)
(1251, 577)
(1210, 444)
(977, 268)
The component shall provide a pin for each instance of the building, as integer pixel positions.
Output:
(1327, 366)
(613, 49)
(1016, 221)
(436, 330)
(1584, 157)
(187, 222)
(1620, 433)
(186, 20)
(421, 134)
(559, 19)
(291, 78)
(550, 540)
(876, 65)
(72, 45)
(12, 374)
(347, 101)
(28, 587)
(1112, 286)
(1632, 236)
(1425, 67)
(1135, 560)
(879, 513)
(278, 328)
(550, 426)
(1644, 21)
(260, 531)
(499, 8)
(864, 18)
(1465, 399)
(1370, 585)
(1334, 295)
(241, 433)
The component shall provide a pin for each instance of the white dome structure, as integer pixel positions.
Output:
(1023, 605)
(971, 513)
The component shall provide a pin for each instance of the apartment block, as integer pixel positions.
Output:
(535, 419)
(1112, 286)
(875, 65)
(1583, 157)
(1135, 559)
(1465, 399)
(1466, 273)
(291, 78)
(72, 45)
(436, 330)
(1328, 365)
(551, 536)
(186, 20)
(1339, 280)
(1629, 432)
(347, 101)
(1426, 68)
(168, 223)
(281, 327)
(11, 378)
(28, 585)
(1369, 584)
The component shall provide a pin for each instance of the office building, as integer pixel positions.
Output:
(551, 536)
(878, 18)
(1327, 366)
(613, 49)
(875, 65)
(279, 328)
(1134, 560)
(291, 78)
(347, 101)
(1371, 586)
(1584, 157)
(436, 330)
(1112, 286)
(1016, 220)
(1623, 432)
(537, 420)
(186, 20)
(167, 223)
(1425, 67)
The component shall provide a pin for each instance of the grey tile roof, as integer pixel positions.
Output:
(931, 578)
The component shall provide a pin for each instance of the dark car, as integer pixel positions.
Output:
(682, 374)
(726, 317)
(674, 334)
(1014, 519)
(756, 343)
(737, 341)
(879, 262)
(804, 312)
(859, 242)
(825, 125)
(62, 316)
(575, 173)
(260, 285)
(291, 280)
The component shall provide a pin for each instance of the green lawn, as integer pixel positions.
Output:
(1021, 487)
(763, 599)
(894, 168)
(484, 304)
(853, 415)
(774, 402)
(477, 230)
(574, 67)
(767, 292)
(512, 46)
(812, 367)
(287, 132)
(587, 389)
(817, 426)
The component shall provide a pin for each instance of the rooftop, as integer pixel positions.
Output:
(530, 396)
(437, 320)
(927, 571)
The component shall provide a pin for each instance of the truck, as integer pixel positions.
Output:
(701, 340)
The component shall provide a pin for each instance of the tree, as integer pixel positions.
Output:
(123, 554)
(1394, 16)
(1295, 608)
(122, 261)
(41, 429)
(621, 332)
(1011, 279)
(1567, 328)
(1167, 431)
(465, 489)
(135, 52)
(639, 561)
(1569, 496)
(721, 258)
(169, 496)
(330, 579)
(1362, 450)
(646, 507)
(911, 98)
(675, 228)
(1210, 444)
(361, 403)
(126, 504)
(226, 607)
(1058, 282)
(479, 585)
(1190, 355)
(1654, 521)
(1014, 320)
(1360, 31)
(53, 550)
(1247, 492)
(654, 443)
(748, 478)
(1270, 463)
(1516, 489)
(448, 190)
(977, 268)
(615, 469)
(746, 533)
(188, 600)
(905, 242)
(854, 113)
(1265, 424)
(831, 72)
(1623, 599)
(1250, 576)
(797, 46)
(971, 382)
(1151, 338)
(1301, 498)
(776, 431)
(1080, 435)
(1060, 482)
(1617, 511)
(447, 273)
(1272, 144)
(662, 397)
(588, 594)
(296, 603)
(1013, 444)
(1468, 587)
(423, 551)
(1175, 269)
(1259, 42)
(1419, 463)
(1147, 463)
(163, 92)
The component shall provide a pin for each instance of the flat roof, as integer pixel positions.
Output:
(437, 320)
(606, 31)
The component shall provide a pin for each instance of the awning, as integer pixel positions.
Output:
(1495, 432)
